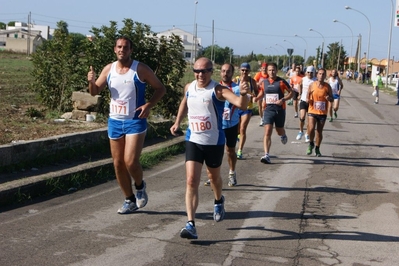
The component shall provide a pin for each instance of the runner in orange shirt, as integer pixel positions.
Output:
(319, 94)
(295, 82)
(259, 77)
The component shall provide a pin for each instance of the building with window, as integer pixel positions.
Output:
(23, 38)
(192, 45)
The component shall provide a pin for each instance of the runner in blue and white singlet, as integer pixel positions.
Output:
(127, 93)
(204, 115)
(204, 102)
(127, 124)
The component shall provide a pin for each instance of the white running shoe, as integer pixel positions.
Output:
(265, 159)
(232, 180)
(141, 196)
(299, 136)
(307, 139)
(128, 207)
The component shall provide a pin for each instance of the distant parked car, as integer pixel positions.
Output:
(392, 78)
(285, 69)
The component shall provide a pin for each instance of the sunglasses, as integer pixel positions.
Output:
(203, 71)
(244, 70)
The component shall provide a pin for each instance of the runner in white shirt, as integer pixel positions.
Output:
(303, 104)
(336, 86)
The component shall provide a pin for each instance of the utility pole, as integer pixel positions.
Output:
(213, 39)
(359, 53)
(28, 37)
(339, 55)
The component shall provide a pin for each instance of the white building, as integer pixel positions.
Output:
(23, 39)
(191, 47)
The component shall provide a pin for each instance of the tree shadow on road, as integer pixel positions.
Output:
(251, 187)
(292, 235)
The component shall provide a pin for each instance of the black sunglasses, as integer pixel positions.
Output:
(203, 71)
(244, 70)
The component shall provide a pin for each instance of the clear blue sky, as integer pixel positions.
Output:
(245, 26)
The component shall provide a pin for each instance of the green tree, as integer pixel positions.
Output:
(3, 26)
(309, 61)
(62, 28)
(58, 70)
(61, 64)
(335, 51)
(11, 23)
(220, 55)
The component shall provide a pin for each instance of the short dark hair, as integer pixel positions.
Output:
(126, 39)
(231, 67)
(272, 64)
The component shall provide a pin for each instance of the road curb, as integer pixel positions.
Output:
(30, 187)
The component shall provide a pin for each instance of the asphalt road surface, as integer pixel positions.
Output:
(338, 209)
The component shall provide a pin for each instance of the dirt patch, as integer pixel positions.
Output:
(22, 117)
(16, 125)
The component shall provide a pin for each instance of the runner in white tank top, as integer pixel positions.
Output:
(336, 86)
(127, 124)
(203, 101)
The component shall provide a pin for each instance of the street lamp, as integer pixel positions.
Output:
(271, 47)
(368, 45)
(293, 46)
(194, 34)
(283, 50)
(322, 46)
(290, 54)
(389, 43)
(349, 29)
(304, 54)
(272, 51)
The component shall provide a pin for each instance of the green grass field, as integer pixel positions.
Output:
(15, 78)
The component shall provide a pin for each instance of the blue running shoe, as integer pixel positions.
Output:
(218, 213)
(128, 207)
(284, 139)
(189, 231)
(142, 197)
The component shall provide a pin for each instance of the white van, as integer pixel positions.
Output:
(392, 78)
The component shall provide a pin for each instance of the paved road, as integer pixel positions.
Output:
(340, 209)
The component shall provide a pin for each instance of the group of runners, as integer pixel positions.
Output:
(216, 112)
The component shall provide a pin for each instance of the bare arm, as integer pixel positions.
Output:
(341, 86)
(181, 113)
(146, 74)
(300, 89)
(329, 97)
(288, 95)
(96, 86)
(223, 93)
